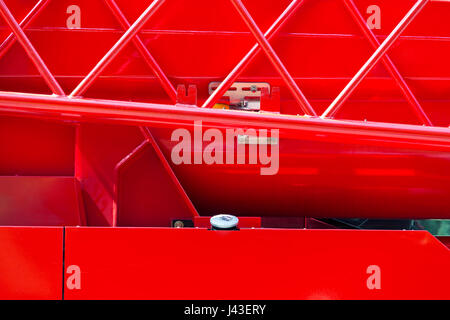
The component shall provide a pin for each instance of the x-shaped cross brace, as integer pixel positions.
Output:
(234, 74)
(30, 17)
(165, 82)
(373, 60)
(29, 48)
(262, 42)
(388, 63)
(138, 24)
(273, 57)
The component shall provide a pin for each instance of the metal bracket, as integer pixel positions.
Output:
(243, 95)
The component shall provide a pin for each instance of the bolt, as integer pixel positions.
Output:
(178, 224)
(224, 222)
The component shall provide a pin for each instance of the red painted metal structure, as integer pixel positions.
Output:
(92, 91)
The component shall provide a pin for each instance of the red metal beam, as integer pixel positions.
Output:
(159, 115)
(29, 18)
(376, 56)
(117, 48)
(417, 108)
(273, 57)
(165, 82)
(234, 74)
(30, 50)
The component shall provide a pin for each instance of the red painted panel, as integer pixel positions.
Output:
(40, 201)
(34, 147)
(31, 262)
(98, 150)
(340, 178)
(144, 263)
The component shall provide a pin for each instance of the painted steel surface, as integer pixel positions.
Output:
(362, 169)
(31, 263)
(154, 263)
(354, 166)
(40, 201)
(91, 92)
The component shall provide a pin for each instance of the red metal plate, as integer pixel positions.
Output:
(31, 262)
(40, 201)
(147, 263)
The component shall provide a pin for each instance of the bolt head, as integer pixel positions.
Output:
(224, 221)
(178, 224)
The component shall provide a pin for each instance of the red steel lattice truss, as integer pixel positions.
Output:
(132, 31)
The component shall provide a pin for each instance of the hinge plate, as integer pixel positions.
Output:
(243, 95)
